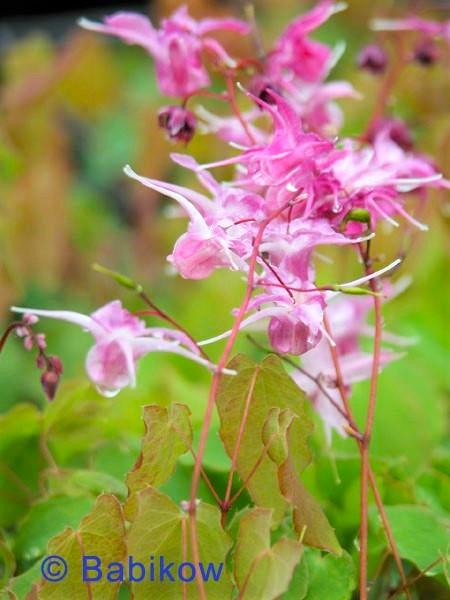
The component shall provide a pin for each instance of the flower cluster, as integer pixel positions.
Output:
(297, 186)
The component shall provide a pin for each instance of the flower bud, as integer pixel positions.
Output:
(396, 129)
(426, 52)
(49, 382)
(30, 319)
(41, 361)
(373, 58)
(55, 364)
(22, 331)
(178, 122)
(28, 343)
(40, 341)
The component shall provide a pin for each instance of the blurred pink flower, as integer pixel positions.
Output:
(177, 47)
(347, 316)
(434, 29)
(373, 58)
(294, 52)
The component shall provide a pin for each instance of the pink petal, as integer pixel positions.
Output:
(130, 27)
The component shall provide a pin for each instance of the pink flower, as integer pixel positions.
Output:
(376, 177)
(177, 47)
(300, 328)
(296, 53)
(291, 164)
(229, 128)
(178, 122)
(212, 239)
(373, 58)
(396, 129)
(433, 29)
(121, 339)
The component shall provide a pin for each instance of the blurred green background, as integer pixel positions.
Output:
(73, 113)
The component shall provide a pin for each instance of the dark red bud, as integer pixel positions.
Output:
(178, 122)
(49, 382)
(373, 58)
(426, 52)
(40, 361)
(55, 364)
(396, 129)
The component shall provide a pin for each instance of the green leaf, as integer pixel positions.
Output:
(298, 586)
(274, 434)
(46, 518)
(330, 577)
(310, 521)
(273, 388)
(79, 416)
(20, 461)
(168, 434)
(7, 564)
(79, 482)
(263, 571)
(160, 528)
(21, 585)
(421, 536)
(101, 534)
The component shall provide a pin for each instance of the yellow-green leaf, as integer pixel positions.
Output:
(168, 434)
(161, 529)
(310, 521)
(263, 571)
(101, 533)
(272, 388)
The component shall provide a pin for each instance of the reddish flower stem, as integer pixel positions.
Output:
(386, 88)
(278, 278)
(216, 380)
(366, 470)
(205, 94)
(365, 443)
(184, 552)
(163, 315)
(196, 555)
(12, 327)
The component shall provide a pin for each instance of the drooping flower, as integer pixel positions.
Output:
(214, 238)
(426, 52)
(396, 129)
(178, 122)
(347, 316)
(178, 47)
(121, 339)
(373, 58)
